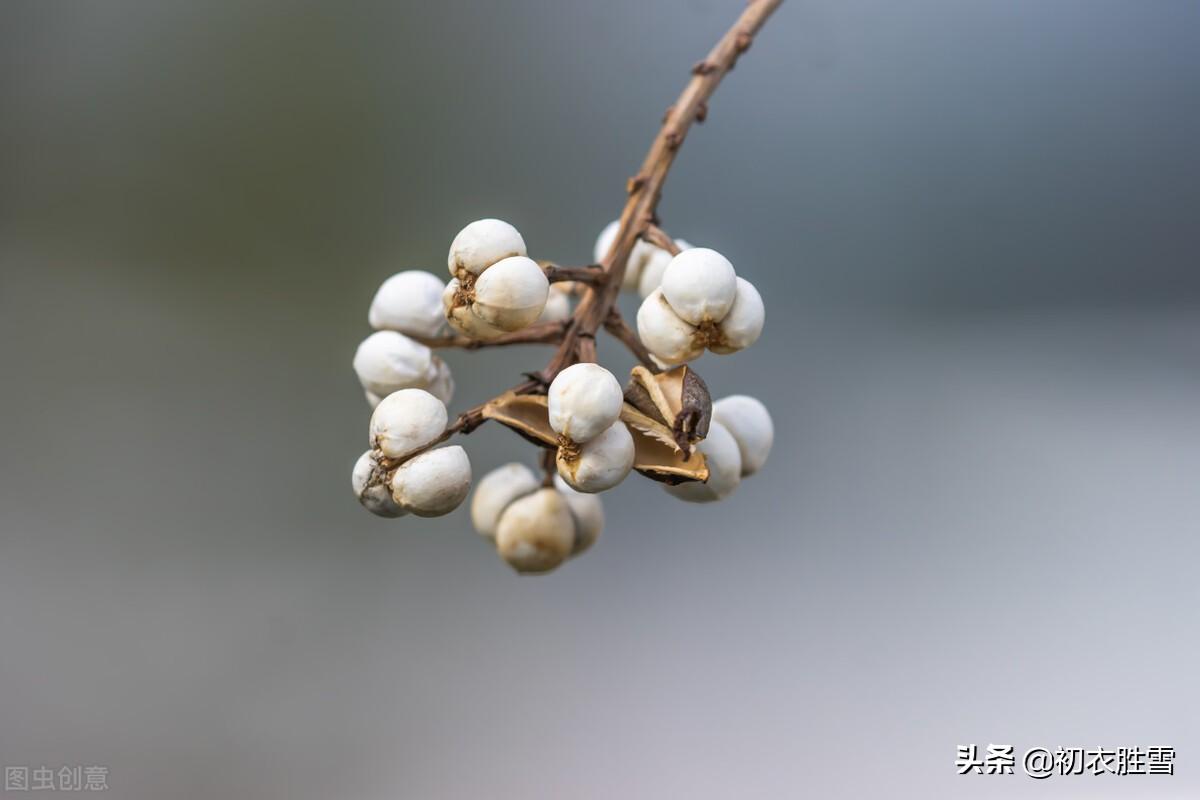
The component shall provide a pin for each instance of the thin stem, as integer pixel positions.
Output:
(541, 333)
(592, 275)
(645, 188)
(615, 324)
(576, 337)
(658, 237)
(549, 467)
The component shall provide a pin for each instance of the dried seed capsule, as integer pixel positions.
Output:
(406, 421)
(584, 400)
(749, 422)
(677, 398)
(496, 491)
(511, 293)
(664, 334)
(742, 326)
(600, 463)
(587, 512)
(536, 532)
(371, 487)
(481, 244)
(409, 302)
(724, 461)
(387, 361)
(433, 483)
(700, 285)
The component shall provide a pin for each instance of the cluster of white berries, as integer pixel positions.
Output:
(400, 474)
(691, 302)
(664, 425)
(496, 288)
(534, 527)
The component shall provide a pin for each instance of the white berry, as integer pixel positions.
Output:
(409, 302)
(558, 303)
(481, 244)
(406, 421)
(700, 285)
(584, 400)
(371, 488)
(638, 257)
(742, 326)
(463, 318)
(724, 461)
(536, 533)
(749, 422)
(600, 463)
(511, 293)
(587, 512)
(496, 491)
(433, 483)
(664, 334)
(387, 361)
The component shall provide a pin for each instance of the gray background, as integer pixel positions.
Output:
(975, 226)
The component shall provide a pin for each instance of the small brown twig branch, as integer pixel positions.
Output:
(615, 324)
(592, 275)
(659, 238)
(541, 333)
(645, 188)
(576, 337)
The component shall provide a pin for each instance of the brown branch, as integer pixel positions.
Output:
(659, 238)
(615, 324)
(591, 275)
(576, 337)
(541, 333)
(645, 188)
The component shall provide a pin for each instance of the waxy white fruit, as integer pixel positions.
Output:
(584, 401)
(600, 463)
(481, 244)
(646, 263)
(387, 361)
(641, 253)
(558, 303)
(409, 302)
(496, 491)
(588, 513)
(433, 483)
(536, 533)
(724, 461)
(701, 304)
(700, 285)
(665, 335)
(511, 293)
(742, 326)
(505, 485)
(371, 487)
(749, 422)
(463, 319)
(439, 381)
(407, 421)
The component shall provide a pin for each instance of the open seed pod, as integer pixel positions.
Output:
(656, 454)
(678, 399)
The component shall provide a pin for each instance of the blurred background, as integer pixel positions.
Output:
(976, 229)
